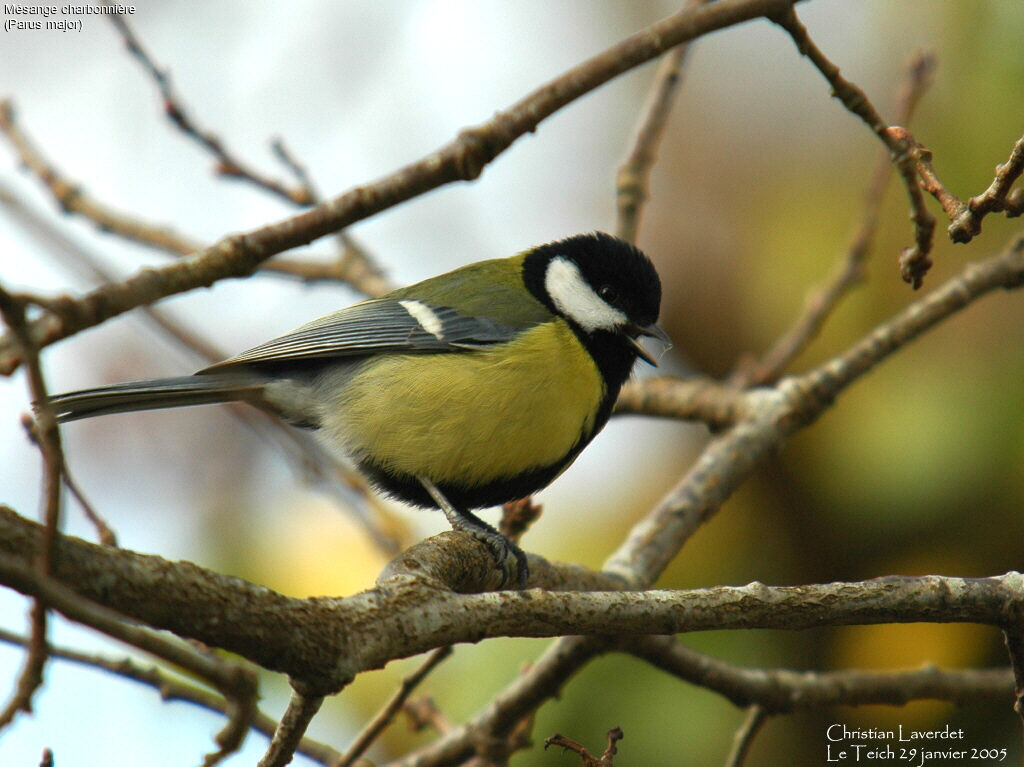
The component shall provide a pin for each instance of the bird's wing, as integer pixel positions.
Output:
(383, 324)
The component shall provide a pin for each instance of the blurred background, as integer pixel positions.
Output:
(917, 469)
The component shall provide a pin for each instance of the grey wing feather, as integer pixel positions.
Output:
(384, 324)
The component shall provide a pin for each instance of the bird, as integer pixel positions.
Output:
(466, 390)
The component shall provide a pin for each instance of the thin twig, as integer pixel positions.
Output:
(31, 677)
(386, 715)
(172, 688)
(292, 728)
(997, 198)
(354, 265)
(12, 309)
(633, 178)
(743, 738)
(228, 165)
(966, 217)
(823, 300)
(605, 760)
(423, 712)
(914, 260)
(1013, 635)
(517, 517)
(106, 534)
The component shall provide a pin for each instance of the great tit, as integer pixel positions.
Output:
(466, 390)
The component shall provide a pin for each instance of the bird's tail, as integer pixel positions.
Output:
(150, 395)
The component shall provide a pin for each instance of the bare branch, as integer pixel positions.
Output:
(422, 712)
(914, 261)
(700, 399)
(12, 309)
(172, 688)
(106, 534)
(1013, 634)
(744, 736)
(524, 695)
(997, 198)
(605, 760)
(386, 715)
(633, 178)
(460, 160)
(353, 267)
(237, 683)
(228, 165)
(73, 199)
(967, 217)
(517, 517)
(850, 270)
(782, 690)
(775, 414)
(301, 710)
(341, 637)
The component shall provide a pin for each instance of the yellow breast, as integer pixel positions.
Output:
(474, 417)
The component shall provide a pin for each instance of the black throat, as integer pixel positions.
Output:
(612, 352)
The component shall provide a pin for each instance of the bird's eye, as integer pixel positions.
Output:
(608, 293)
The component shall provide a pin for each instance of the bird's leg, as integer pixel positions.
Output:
(510, 558)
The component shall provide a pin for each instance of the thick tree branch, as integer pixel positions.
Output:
(323, 642)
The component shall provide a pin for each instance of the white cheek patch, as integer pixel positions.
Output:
(425, 316)
(573, 297)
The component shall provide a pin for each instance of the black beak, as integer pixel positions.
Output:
(633, 331)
